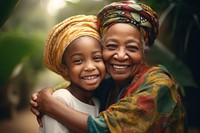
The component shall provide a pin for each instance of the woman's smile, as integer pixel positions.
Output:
(120, 68)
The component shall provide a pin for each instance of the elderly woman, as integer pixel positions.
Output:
(135, 97)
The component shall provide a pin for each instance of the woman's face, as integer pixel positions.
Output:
(122, 52)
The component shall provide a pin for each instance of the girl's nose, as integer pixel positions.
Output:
(90, 66)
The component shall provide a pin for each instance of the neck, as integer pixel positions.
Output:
(81, 94)
(120, 84)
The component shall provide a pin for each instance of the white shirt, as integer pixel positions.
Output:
(50, 125)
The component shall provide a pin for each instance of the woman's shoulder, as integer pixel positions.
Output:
(159, 69)
(159, 74)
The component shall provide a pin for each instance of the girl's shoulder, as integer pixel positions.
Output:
(63, 95)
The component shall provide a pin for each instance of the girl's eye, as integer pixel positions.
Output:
(111, 47)
(98, 58)
(77, 61)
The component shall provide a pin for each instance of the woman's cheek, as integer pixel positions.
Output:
(106, 55)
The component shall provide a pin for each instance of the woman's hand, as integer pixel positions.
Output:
(44, 98)
(33, 108)
(38, 103)
(33, 104)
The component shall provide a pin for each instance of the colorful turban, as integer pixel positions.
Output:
(63, 34)
(137, 14)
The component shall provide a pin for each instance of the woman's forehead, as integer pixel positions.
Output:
(121, 31)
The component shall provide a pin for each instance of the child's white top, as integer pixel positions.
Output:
(50, 125)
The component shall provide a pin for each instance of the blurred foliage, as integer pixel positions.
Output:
(6, 8)
(180, 71)
(178, 40)
(23, 34)
(25, 25)
(24, 28)
(14, 48)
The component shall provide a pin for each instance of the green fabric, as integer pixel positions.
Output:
(97, 125)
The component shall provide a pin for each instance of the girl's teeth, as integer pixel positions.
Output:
(89, 78)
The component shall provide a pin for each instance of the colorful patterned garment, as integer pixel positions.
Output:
(62, 34)
(150, 104)
(136, 14)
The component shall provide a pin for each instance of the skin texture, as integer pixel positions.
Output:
(84, 67)
(123, 55)
(122, 52)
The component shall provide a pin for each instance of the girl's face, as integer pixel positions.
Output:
(122, 52)
(84, 65)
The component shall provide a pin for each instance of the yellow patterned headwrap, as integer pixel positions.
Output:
(63, 34)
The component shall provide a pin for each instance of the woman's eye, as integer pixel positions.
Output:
(111, 46)
(98, 58)
(132, 48)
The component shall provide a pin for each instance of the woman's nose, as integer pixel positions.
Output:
(121, 54)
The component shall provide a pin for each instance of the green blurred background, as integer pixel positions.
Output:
(24, 26)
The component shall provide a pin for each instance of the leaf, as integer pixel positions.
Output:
(6, 8)
(159, 54)
(14, 47)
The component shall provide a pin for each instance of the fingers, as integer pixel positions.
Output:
(34, 96)
(38, 100)
(35, 111)
(39, 120)
(43, 95)
(33, 103)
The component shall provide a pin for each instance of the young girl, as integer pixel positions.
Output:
(73, 51)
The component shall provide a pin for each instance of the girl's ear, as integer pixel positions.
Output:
(64, 71)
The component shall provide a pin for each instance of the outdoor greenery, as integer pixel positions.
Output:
(25, 25)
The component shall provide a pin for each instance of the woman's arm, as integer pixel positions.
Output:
(70, 118)
(154, 107)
